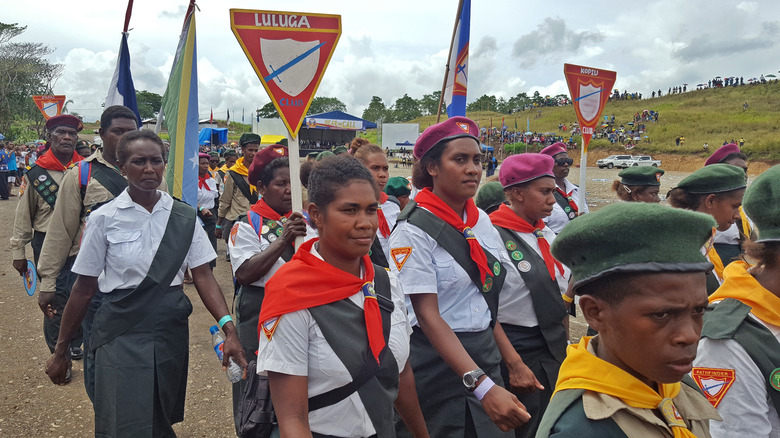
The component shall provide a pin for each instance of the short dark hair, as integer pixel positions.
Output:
(681, 198)
(116, 112)
(306, 168)
(766, 254)
(123, 150)
(732, 156)
(269, 171)
(420, 176)
(332, 174)
(366, 150)
(620, 188)
(612, 289)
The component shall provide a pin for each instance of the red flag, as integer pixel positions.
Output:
(211, 119)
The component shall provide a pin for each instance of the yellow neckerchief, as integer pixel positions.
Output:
(746, 229)
(583, 370)
(240, 169)
(224, 168)
(740, 285)
(714, 257)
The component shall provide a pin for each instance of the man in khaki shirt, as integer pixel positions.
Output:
(64, 233)
(238, 195)
(37, 196)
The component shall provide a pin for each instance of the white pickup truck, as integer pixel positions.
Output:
(613, 161)
(642, 160)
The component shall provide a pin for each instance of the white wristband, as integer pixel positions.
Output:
(483, 388)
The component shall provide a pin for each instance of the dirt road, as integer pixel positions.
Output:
(30, 405)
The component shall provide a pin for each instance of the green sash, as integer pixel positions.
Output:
(564, 204)
(545, 294)
(377, 254)
(243, 186)
(730, 320)
(122, 311)
(43, 183)
(456, 245)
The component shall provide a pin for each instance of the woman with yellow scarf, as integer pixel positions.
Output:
(646, 298)
(738, 363)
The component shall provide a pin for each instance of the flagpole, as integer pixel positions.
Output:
(449, 56)
(296, 192)
(127, 15)
(583, 167)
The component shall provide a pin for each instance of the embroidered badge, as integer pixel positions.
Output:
(496, 268)
(658, 177)
(517, 256)
(269, 327)
(368, 290)
(774, 379)
(714, 382)
(670, 413)
(42, 178)
(271, 238)
(400, 256)
(488, 284)
(279, 231)
(511, 245)
(567, 209)
(264, 229)
(233, 232)
(524, 266)
(272, 224)
(282, 220)
(538, 233)
(468, 233)
(464, 126)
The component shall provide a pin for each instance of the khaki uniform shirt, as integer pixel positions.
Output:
(645, 423)
(32, 214)
(66, 225)
(232, 203)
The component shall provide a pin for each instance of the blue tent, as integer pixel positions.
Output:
(206, 135)
(486, 147)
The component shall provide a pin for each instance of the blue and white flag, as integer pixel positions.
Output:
(457, 74)
(121, 91)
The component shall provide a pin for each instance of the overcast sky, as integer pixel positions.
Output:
(394, 47)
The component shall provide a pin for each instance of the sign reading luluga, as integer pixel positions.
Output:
(49, 105)
(289, 52)
(589, 89)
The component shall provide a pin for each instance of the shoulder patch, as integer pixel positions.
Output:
(233, 232)
(400, 256)
(714, 382)
(269, 327)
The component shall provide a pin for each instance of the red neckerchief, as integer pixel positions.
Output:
(504, 217)
(202, 181)
(569, 198)
(434, 204)
(307, 281)
(265, 211)
(384, 227)
(50, 162)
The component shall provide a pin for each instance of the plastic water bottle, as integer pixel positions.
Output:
(234, 372)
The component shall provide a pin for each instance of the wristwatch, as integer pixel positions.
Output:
(471, 379)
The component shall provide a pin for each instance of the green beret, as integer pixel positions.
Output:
(633, 237)
(324, 154)
(214, 154)
(282, 142)
(762, 204)
(312, 154)
(641, 176)
(338, 150)
(398, 186)
(249, 137)
(230, 153)
(490, 195)
(715, 178)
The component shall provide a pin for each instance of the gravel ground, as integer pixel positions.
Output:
(30, 405)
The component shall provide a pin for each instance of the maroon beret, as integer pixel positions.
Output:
(520, 168)
(722, 153)
(447, 130)
(262, 159)
(202, 155)
(554, 149)
(64, 120)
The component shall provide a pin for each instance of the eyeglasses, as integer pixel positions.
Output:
(564, 162)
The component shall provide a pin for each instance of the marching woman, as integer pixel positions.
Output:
(738, 360)
(452, 284)
(531, 305)
(638, 184)
(208, 193)
(330, 314)
(140, 334)
(375, 160)
(716, 190)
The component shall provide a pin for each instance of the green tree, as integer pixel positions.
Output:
(430, 103)
(321, 105)
(268, 111)
(148, 103)
(23, 73)
(517, 103)
(405, 109)
(484, 103)
(376, 110)
(537, 98)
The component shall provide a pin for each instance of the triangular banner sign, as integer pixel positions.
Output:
(289, 52)
(50, 106)
(589, 89)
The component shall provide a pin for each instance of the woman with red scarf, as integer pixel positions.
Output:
(330, 314)
(449, 259)
(531, 309)
(207, 194)
(375, 160)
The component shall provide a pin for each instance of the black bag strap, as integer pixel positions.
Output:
(456, 246)
(370, 366)
(242, 185)
(43, 183)
(377, 254)
(112, 180)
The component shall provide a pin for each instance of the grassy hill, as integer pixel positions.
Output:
(704, 116)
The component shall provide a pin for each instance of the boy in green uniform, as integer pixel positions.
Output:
(646, 297)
